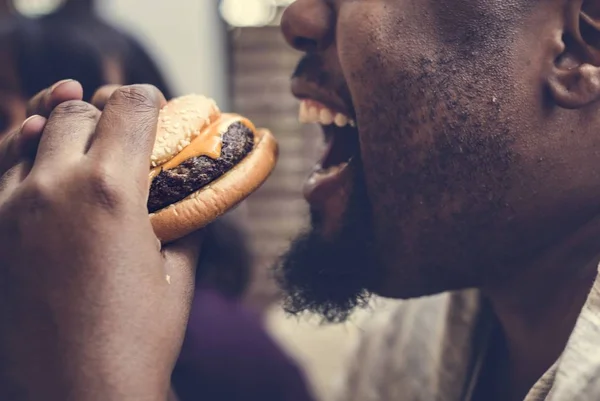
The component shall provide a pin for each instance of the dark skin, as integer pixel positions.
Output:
(70, 175)
(477, 122)
(478, 128)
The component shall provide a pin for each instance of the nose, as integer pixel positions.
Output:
(308, 25)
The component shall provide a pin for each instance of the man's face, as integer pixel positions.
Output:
(456, 166)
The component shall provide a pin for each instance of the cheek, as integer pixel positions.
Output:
(386, 57)
(360, 37)
(380, 47)
(365, 56)
(370, 60)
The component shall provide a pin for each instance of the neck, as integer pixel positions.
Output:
(538, 309)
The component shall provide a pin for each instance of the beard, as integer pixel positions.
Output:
(331, 277)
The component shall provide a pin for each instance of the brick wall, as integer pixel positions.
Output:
(261, 66)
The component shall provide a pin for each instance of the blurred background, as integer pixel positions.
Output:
(232, 50)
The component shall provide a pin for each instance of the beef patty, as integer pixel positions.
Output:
(175, 184)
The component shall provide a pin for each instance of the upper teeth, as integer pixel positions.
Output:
(312, 112)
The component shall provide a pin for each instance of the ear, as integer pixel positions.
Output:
(575, 79)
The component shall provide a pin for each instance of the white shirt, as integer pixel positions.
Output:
(428, 349)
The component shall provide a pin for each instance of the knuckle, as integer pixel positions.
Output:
(142, 97)
(39, 191)
(76, 108)
(105, 189)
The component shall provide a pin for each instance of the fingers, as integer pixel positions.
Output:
(181, 258)
(21, 144)
(100, 98)
(181, 263)
(73, 134)
(45, 101)
(127, 130)
(67, 134)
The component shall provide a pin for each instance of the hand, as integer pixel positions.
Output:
(91, 309)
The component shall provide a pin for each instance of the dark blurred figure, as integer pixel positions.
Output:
(37, 53)
(124, 57)
(227, 354)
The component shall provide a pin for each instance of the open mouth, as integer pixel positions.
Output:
(342, 145)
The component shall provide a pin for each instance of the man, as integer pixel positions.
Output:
(473, 166)
(477, 131)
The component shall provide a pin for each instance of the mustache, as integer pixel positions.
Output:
(307, 62)
(311, 68)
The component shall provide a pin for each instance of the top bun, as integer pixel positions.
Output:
(179, 123)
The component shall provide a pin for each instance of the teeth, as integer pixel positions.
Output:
(341, 120)
(303, 114)
(312, 112)
(326, 117)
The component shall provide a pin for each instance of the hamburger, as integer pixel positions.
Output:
(203, 163)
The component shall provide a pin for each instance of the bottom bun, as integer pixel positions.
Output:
(207, 204)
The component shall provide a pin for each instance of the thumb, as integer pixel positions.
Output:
(181, 260)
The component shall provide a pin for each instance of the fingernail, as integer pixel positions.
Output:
(59, 83)
(49, 98)
(29, 120)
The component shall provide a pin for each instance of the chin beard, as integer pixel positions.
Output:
(332, 277)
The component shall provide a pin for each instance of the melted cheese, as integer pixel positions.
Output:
(207, 143)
